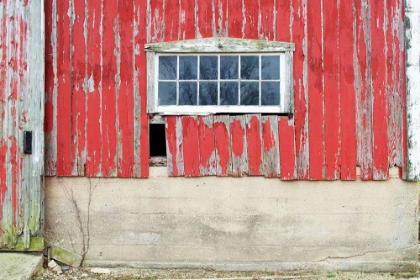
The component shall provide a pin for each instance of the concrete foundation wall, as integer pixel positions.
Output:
(235, 223)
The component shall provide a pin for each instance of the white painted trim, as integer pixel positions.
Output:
(206, 110)
(412, 45)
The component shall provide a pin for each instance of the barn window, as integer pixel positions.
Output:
(220, 75)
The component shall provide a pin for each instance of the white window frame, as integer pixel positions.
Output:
(221, 46)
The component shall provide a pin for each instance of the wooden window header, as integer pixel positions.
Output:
(220, 45)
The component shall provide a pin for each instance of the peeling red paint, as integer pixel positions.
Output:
(93, 113)
(380, 106)
(173, 150)
(332, 91)
(238, 133)
(253, 138)
(64, 158)
(21, 101)
(267, 135)
(191, 146)
(222, 144)
(347, 94)
(270, 138)
(335, 68)
(287, 148)
(207, 146)
(3, 172)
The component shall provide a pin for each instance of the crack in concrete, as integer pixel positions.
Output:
(366, 253)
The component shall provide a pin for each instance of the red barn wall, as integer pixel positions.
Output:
(348, 82)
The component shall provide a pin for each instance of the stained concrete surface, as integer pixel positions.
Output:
(248, 223)
(19, 266)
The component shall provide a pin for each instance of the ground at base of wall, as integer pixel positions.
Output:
(130, 273)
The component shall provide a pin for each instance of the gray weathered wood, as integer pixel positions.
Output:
(271, 156)
(240, 160)
(23, 110)
(412, 44)
(220, 45)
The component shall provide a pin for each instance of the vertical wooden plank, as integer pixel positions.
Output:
(283, 20)
(3, 46)
(8, 208)
(267, 20)
(207, 146)
(316, 91)
(50, 124)
(380, 104)
(348, 54)
(206, 19)
(221, 18)
(254, 147)
(270, 142)
(287, 149)
(109, 89)
(332, 89)
(12, 107)
(171, 23)
(187, 19)
(412, 35)
(191, 146)
(251, 14)
(223, 145)
(79, 75)
(156, 24)
(64, 110)
(395, 39)
(11, 91)
(125, 94)
(403, 171)
(93, 110)
(174, 146)
(141, 121)
(3, 108)
(250, 19)
(23, 115)
(33, 166)
(142, 72)
(300, 73)
(363, 81)
(239, 145)
(235, 19)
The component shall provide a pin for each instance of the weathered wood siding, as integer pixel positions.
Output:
(95, 89)
(412, 18)
(349, 89)
(21, 109)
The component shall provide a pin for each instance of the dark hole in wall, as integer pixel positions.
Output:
(157, 140)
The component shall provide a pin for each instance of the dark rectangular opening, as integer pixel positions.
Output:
(157, 144)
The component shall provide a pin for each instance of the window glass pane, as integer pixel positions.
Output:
(270, 67)
(167, 67)
(208, 93)
(167, 93)
(250, 93)
(229, 93)
(270, 93)
(187, 93)
(208, 67)
(229, 67)
(250, 67)
(187, 67)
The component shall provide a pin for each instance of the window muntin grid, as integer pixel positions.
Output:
(229, 80)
